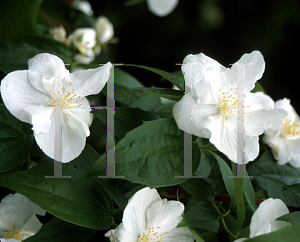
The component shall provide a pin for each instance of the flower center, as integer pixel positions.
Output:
(151, 235)
(63, 99)
(228, 102)
(14, 234)
(290, 128)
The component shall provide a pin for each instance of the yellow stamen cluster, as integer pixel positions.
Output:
(151, 234)
(63, 99)
(290, 128)
(14, 234)
(229, 103)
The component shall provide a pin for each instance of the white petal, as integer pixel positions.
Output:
(73, 142)
(199, 114)
(134, 217)
(47, 66)
(84, 59)
(257, 101)
(31, 227)
(80, 118)
(89, 82)
(258, 121)
(251, 148)
(162, 8)
(111, 234)
(254, 71)
(263, 220)
(223, 136)
(165, 214)
(123, 235)
(20, 97)
(41, 119)
(240, 240)
(25, 208)
(8, 216)
(179, 234)
(194, 66)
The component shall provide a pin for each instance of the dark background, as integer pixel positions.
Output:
(223, 30)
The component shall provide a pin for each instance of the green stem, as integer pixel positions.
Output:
(221, 216)
(115, 225)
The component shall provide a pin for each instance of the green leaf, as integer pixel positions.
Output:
(18, 18)
(170, 94)
(204, 144)
(229, 182)
(119, 197)
(293, 218)
(60, 231)
(15, 54)
(249, 193)
(77, 200)
(126, 119)
(86, 159)
(15, 141)
(199, 188)
(258, 88)
(177, 81)
(125, 79)
(294, 189)
(203, 218)
(286, 234)
(151, 154)
(266, 165)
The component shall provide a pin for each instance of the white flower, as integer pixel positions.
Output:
(34, 95)
(162, 8)
(83, 59)
(59, 33)
(84, 39)
(147, 217)
(284, 137)
(83, 6)
(17, 218)
(212, 96)
(104, 29)
(263, 219)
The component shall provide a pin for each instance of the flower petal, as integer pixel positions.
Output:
(47, 66)
(263, 220)
(199, 114)
(25, 208)
(31, 226)
(73, 142)
(254, 71)
(134, 217)
(194, 67)
(164, 214)
(257, 101)
(182, 234)
(251, 148)
(123, 235)
(162, 8)
(258, 121)
(20, 97)
(88, 82)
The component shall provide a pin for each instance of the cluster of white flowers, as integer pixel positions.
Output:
(17, 218)
(147, 217)
(211, 91)
(87, 41)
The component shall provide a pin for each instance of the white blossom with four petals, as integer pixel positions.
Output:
(264, 218)
(147, 217)
(17, 218)
(284, 136)
(35, 95)
(211, 90)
